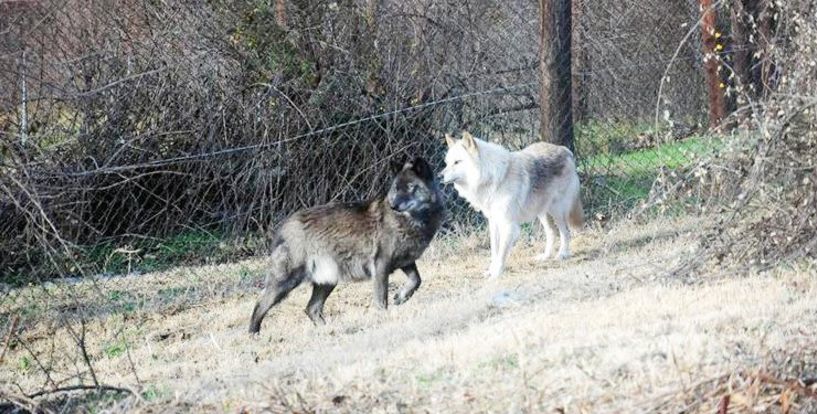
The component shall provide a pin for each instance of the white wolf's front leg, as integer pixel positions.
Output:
(508, 233)
(493, 239)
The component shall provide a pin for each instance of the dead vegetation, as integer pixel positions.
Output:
(603, 332)
(607, 331)
(763, 183)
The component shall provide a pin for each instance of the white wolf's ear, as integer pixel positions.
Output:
(449, 140)
(470, 144)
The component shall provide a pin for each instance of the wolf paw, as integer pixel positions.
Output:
(564, 256)
(399, 299)
(316, 317)
(542, 257)
(494, 272)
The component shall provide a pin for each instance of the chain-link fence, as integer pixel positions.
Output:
(128, 119)
(139, 134)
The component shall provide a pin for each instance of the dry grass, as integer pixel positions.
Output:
(603, 332)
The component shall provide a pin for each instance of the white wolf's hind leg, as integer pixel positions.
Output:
(508, 233)
(550, 237)
(564, 236)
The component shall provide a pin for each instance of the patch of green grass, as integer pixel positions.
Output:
(621, 181)
(608, 138)
(426, 380)
(526, 229)
(247, 275)
(171, 292)
(31, 309)
(510, 361)
(114, 349)
(670, 155)
(149, 255)
(123, 301)
(153, 393)
(24, 364)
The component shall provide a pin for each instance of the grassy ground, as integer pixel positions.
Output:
(606, 331)
(620, 180)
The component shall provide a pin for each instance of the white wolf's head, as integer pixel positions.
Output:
(461, 161)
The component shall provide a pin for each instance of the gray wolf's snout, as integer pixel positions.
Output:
(403, 203)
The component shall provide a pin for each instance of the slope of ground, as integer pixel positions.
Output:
(606, 331)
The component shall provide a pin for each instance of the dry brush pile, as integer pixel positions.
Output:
(763, 182)
(125, 120)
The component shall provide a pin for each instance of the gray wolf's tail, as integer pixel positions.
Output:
(576, 217)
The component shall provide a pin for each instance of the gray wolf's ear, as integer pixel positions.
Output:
(470, 144)
(395, 166)
(421, 169)
(449, 140)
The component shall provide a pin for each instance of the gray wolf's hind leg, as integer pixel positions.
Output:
(275, 292)
(315, 307)
(411, 286)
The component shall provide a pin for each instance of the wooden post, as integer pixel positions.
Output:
(281, 14)
(712, 63)
(555, 94)
(581, 63)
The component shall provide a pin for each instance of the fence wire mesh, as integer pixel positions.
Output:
(126, 119)
(135, 133)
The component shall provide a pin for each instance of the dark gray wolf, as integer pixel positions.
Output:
(354, 242)
(509, 188)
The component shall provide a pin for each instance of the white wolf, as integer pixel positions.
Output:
(510, 188)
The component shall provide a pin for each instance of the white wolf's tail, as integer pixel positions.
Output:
(576, 217)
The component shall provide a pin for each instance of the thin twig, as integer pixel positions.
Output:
(9, 335)
(99, 387)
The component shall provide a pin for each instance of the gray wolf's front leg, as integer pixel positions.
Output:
(381, 284)
(411, 286)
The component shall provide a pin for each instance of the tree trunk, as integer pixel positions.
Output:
(555, 95)
(581, 63)
(712, 63)
(740, 46)
(281, 14)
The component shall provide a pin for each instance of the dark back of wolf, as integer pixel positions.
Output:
(355, 241)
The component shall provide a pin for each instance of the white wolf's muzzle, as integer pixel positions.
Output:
(446, 177)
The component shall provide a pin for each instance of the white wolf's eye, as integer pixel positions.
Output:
(456, 162)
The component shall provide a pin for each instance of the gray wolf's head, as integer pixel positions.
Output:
(461, 160)
(413, 189)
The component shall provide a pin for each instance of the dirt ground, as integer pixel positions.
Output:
(607, 331)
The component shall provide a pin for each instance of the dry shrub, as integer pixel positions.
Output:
(763, 181)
